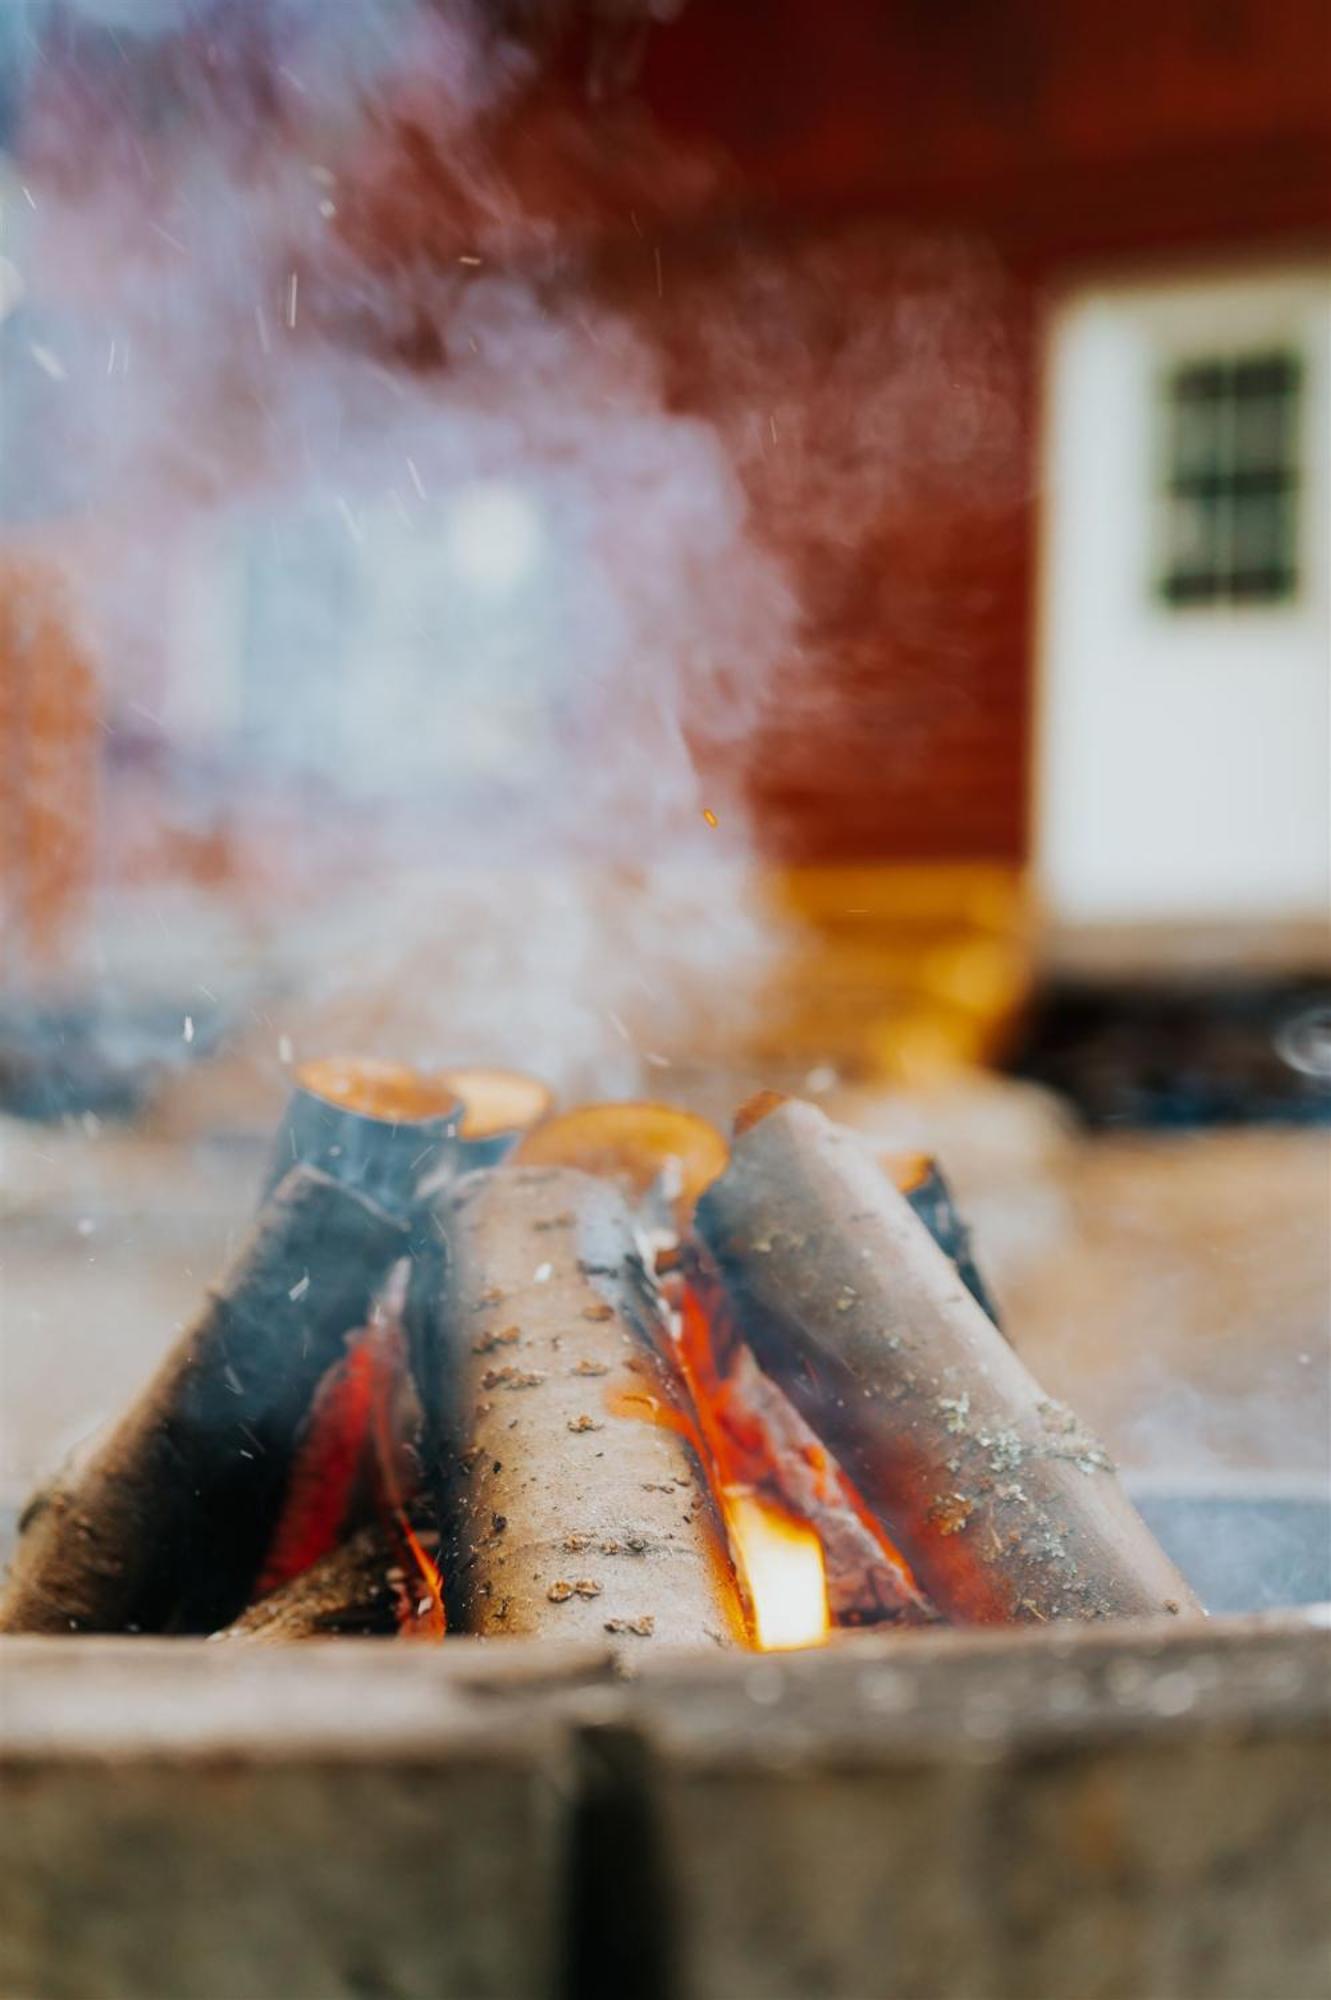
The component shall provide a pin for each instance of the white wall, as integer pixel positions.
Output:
(1185, 755)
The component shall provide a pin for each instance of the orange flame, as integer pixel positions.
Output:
(782, 1571)
(778, 1559)
(808, 1553)
(353, 1445)
(421, 1601)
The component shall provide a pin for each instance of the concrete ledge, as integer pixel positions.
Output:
(1109, 1813)
(1143, 1814)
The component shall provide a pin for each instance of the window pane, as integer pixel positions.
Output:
(1227, 526)
(1263, 544)
(1196, 444)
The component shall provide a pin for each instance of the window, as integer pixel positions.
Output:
(1229, 506)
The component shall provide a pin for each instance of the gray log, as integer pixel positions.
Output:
(1004, 1506)
(165, 1525)
(576, 1517)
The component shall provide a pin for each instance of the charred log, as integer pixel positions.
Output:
(581, 1510)
(354, 1589)
(377, 1127)
(1005, 1507)
(922, 1181)
(864, 1585)
(165, 1525)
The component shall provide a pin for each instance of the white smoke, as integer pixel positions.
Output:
(406, 587)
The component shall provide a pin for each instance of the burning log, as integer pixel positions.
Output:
(578, 1515)
(652, 1151)
(378, 1127)
(371, 1586)
(754, 1441)
(165, 1526)
(498, 1106)
(1005, 1507)
(352, 1589)
(922, 1182)
(864, 1585)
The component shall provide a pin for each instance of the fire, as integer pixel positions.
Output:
(782, 1571)
(421, 1607)
(420, 1610)
(353, 1447)
(778, 1559)
(807, 1552)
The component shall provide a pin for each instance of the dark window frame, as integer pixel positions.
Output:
(1208, 473)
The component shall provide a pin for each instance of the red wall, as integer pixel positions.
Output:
(1029, 137)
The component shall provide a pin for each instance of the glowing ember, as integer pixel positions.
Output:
(806, 1550)
(782, 1572)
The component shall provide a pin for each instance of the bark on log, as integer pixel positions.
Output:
(1004, 1506)
(578, 1513)
(165, 1525)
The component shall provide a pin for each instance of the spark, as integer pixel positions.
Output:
(293, 297)
(416, 479)
(167, 237)
(473, 263)
(27, 196)
(111, 360)
(299, 1289)
(50, 364)
(709, 816)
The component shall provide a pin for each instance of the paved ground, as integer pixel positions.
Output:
(1176, 1291)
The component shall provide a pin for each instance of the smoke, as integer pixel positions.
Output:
(415, 603)
(457, 559)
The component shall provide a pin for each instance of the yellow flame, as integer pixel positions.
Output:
(782, 1569)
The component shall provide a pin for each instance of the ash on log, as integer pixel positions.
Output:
(1004, 1506)
(165, 1525)
(581, 1509)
